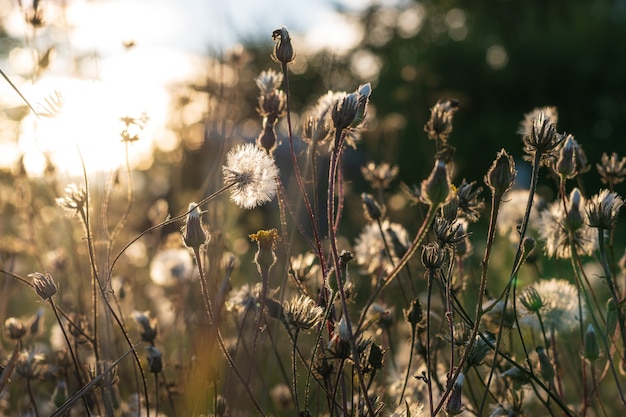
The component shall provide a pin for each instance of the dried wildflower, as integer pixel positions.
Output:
(448, 234)
(302, 313)
(480, 349)
(44, 285)
(75, 198)
(526, 126)
(454, 406)
(531, 299)
(603, 208)
(265, 256)
(14, 328)
(559, 309)
(155, 359)
(147, 324)
(251, 173)
(501, 175)
(469, 202)
(171, 266)
(433, 256)
(315, 129)
(542, 138)
(516, 376)
(30, 364)
(439, 126)
(283, 50)
(303, 267)
(370, 249)
(372, 210)
(345, 111)
(379, 176)
(560, 230)
(194, 235)
(612, 170)
(512, 212)
(592, 350)
(269, 81)
(436, 190)
(244, 299)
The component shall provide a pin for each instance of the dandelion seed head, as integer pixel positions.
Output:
(171, 266)
(559, 310)
(559, 231)
(512, 212)
(370, 250)
(253, 173)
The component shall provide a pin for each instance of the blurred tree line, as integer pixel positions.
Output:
(500, 59)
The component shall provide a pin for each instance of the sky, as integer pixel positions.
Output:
(172, 38)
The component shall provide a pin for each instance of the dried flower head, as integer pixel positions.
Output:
(379, 176)
(469, 201)
(526, 125)
(283, 50)
(251, 173)
(439, 126)
(315, 129)
(14, 328)
(371, 246)
(269, 81)
(244, 299)
(75, 198)
(194, 234)
(44, 285)
(612, 169)
(30, 364)
(559, 230)
(559, 309)
(433, 256)
(303, 267)
(603, 208)
(542, 136)
(302, 313)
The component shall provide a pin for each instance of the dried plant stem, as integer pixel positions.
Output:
(69, 347)
(429, 290)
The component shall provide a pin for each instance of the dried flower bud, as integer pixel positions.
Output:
(574, 219)
(265, 256)
(44, 285)
(501, 175)
(194, 235)
(414, 314)
(432, 256)
(267, 139)
(375, 356)
(155, 360)
(283, 51)
(450, 210)
(611, 317)
(455, 405)
(592, 349)
(345, 111)
(15, 328)
(373, 211)
(545, 365)
(566, 163)
(480, 349)
(148, 326)
(436, 190)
